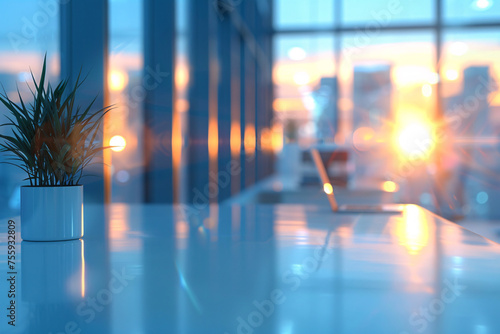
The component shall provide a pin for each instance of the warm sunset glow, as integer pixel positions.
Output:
(426, 90)
(451, 74)
(277, 138)
(327, 188)
(433, 78)
(389, 186)
(413, 230)
(415, 140)
(458, 48)
(285, 71)
(117, 80)
(495, 99)
(411, 75)
(301, 78)
(118, 143)
(288, 104)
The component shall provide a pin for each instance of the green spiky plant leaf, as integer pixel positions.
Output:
(52, 140)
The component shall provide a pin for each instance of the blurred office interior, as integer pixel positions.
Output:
(220, 100)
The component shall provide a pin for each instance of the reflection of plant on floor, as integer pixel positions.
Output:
(52, 139)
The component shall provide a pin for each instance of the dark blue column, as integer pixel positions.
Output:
(224, 33)
(260, 113)
(243, 110)
(236, 110)
(267, 82)
(250, 68)
(202, 53)
(158, 92)
(260, 124)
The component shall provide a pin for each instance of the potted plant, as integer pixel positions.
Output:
(52, 140)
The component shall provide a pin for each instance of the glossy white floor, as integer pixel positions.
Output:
(256, 269)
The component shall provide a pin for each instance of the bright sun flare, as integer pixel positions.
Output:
(416, 141)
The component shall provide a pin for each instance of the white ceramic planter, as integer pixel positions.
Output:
(51, 213)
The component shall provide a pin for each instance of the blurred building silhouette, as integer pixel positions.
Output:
(325, 112)
(371, 96)
(372, 88)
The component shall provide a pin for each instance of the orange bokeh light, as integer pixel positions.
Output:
(250, 139)
(235, 139)
(389, 186)
(118, 79)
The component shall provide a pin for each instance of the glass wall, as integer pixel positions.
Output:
(459, 11)
(385, 13)
(303, 14)
(387, 88)
(414, 95)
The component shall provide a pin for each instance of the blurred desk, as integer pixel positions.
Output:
(287, 189)
(255, 269)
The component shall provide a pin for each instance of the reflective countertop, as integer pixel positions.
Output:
(253, 269)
